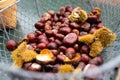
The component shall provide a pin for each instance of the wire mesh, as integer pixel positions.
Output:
(28, 12)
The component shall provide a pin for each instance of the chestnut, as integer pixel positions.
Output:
(46, 16)
(56, 68)
(62, 48)
(61, 57)
(44, 41)
(65, 20)
(52, 45)
(11, 45)
(41, 46)
(49, 22)
(31, 37)
(92, 19)
(39, 25)
(35, 67)
(89, 68)
(83, 33)
(67, 14)
(76, 31)
(45, 57)
(92, 30)
(26, 65)
(59, 36)
(48, 68)
(84, 49)
(55, 18)
(85, 58)
(69, 8)
(81, 65)
(51, 12)
(85, 26)
(58, 42)
(65, 30)
(76, 47)
(70, 39)
(49, 33)
(41, 37)
(41, 20)
(70, 52)
(96, 61)
(47, 27)
(51, 39)
(75, 25)
(31, 46)
(55, 31)
(62, 10)
(100, 25)
(38, 32)
(55, 52)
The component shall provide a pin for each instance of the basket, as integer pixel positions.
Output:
(28, 12)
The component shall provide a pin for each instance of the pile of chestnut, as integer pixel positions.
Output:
(54, 31)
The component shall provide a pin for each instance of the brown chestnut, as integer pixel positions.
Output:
(59, 36)
(44, 41)
(91, 68)
(62, 48)
(70, 52)
(51, 39)
(69, 8)
(92, 30)
(49, 33)
(55, 18)
(65, 20)
(31, 46)
(67, 14)
(38, 32)
(65, 30)
(83, 33)
(84, 49)
(96, 61)
(100, 25)
(52, 45)
(51, 12)
(41, 37)
(76, 31)
(58, 42)
(85, 26)
(41, 46)
(46, 16)
(47, 27)
(85, 58)
(75, 25)
(76, 47)
(56, 68)
(61, 57)
(62, 10)
(55, 52)
(70, 39)
(35, 67)
(92, 19)
(42, 20)
(39, 25)
(11, 45)
(81, 65)
(26, 65)
(31, 37)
